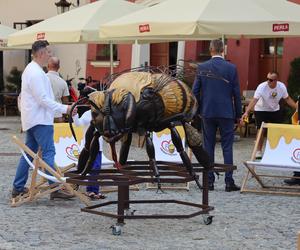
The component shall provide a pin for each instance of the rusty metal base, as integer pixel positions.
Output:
(138, 172)
(202, 210)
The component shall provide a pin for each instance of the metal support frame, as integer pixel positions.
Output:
(137, 172)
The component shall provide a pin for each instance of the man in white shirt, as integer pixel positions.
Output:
(59, 85)
(266, 104)
(37, 114)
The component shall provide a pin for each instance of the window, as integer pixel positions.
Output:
(273, 46)
(23, 25)
(103, 52)
(203, 51)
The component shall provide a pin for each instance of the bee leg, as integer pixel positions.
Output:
(194, 142)
(177, 141)
(124, 150)
(94, 149)
(151, 154)
(84, 154)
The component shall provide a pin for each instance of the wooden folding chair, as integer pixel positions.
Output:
(282, 153)
(38, 185)
(166, 151)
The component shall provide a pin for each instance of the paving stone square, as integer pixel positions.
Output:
(241, 221)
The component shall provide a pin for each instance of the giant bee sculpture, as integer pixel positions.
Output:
(142, 101)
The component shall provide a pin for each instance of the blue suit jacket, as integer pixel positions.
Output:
(216, 97)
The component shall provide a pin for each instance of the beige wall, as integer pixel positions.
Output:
(73, 59)
(21, 10)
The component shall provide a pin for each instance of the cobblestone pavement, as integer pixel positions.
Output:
(242, 221)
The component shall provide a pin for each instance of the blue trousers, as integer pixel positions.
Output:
(226, 128)
(37, 136)
(96, 166)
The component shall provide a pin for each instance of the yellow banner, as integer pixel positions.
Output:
(62, 130)
(287, 131)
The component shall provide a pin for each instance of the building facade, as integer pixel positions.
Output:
(254, 58)
(20, 14)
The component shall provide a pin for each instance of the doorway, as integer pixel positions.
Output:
(270, 59)
(1, 73)
(163, 54)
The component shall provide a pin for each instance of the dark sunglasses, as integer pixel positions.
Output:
(271, 80)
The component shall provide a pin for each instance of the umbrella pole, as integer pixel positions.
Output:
(180, 53)
(136, 54)
(111, 57)
(223, 40)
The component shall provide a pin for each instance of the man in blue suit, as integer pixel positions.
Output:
(217, 90)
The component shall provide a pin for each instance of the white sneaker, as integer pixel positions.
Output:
(258, 155)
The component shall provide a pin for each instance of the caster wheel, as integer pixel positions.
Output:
(116, 230)
(208, 219)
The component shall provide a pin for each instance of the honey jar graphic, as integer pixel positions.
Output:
(76, 153)
(171, 148)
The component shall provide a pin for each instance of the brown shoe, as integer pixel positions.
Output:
(16, 193)
(59, 194)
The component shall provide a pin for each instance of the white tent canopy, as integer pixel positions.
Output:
(195, 20)
(80, 25)
(5, 31)
(148, 2)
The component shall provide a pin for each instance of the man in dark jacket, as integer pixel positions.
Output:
(217, 90)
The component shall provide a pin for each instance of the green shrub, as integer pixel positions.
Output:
(14, 80)
(293, 86)
(1, 82)
(294, 79)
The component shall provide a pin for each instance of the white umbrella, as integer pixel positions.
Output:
(203, 19)
(148, 2)
(5, 31)
(80, 25)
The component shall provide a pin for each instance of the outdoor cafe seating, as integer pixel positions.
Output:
(250, 125)
(9, 103)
